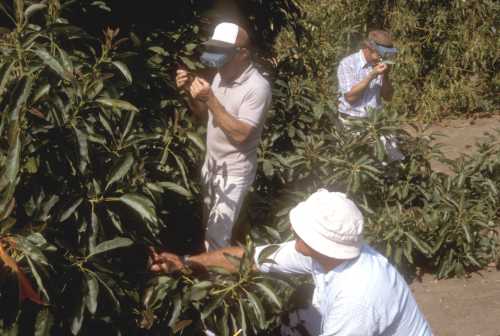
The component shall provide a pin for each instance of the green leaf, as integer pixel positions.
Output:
(124, 70)
(19, 97)
(177, 308)
(243, 319)
(83, 148)
(190, 64)
(33, 9)
(38, 279)
(44, 322)
(211, 306)
(174, 187)
(77, 319)
(71, 210)
(195, 138)
(200, 290)
(109, 245)
(257, 308)
(270, 294)
(117, 103)
(121, 169)
(11, 169)
(41, 92)
(140, 204)
(93, 293)
(5, 73)
(53, 63)
(266, 252)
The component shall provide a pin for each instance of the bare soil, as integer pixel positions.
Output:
(470, 306)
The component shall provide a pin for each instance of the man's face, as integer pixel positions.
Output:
(302, 247)
(372, 56)
(233, 65)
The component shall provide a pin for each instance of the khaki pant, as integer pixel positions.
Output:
(223, 197)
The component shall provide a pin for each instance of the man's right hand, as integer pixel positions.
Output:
(164, 262)
(183, 80)
(378, 69)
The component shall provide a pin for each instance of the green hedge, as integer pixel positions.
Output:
(449, 51)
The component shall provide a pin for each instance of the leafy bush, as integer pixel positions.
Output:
(99, 159)
(446, 63)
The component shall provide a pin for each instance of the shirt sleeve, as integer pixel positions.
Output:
(345, 76)
(350, 318)
(255, 105)
(285, 259)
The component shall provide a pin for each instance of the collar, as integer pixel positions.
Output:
(243, 77)
(362, 59)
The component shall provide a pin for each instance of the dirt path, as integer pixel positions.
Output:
(461, 136)
(462, 307)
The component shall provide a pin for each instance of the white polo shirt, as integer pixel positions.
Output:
(248, 99)
(364, 296)
(352, 70)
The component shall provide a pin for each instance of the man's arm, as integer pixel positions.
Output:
(165, 262)
(237, 130)
(357, 90)
(285, 259)
(198, 107)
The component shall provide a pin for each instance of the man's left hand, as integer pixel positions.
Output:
(200, 89)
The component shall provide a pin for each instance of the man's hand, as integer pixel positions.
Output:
(200, 89)
(164, 262)
(183, 80)
(378, 69)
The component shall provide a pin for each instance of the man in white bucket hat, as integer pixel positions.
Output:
(235, 106)
(357, 291)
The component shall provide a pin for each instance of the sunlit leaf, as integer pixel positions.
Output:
(109, 245)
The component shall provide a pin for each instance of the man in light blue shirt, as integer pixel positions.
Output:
(363, 81)
(357, 291)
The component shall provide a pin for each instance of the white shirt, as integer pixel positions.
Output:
(247, 98)
(352, 70)
(364, 296)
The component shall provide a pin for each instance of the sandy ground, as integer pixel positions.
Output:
(471, 306)
(461, 307)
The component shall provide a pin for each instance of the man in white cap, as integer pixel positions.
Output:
(363, 79)
(235, 105)
(357, 291)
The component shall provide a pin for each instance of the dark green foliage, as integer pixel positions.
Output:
(448, 59)
(99, 159)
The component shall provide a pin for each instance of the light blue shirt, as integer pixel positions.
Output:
(363, 296)
(352, 70)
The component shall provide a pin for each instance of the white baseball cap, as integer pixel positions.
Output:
(221, 47)
(224, 36)
(330, 224)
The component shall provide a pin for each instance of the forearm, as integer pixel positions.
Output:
(357, 90)
(217, 258)
(387, 89)
(198, 107)
(238, 131)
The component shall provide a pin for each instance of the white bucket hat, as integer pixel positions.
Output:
(330, 224)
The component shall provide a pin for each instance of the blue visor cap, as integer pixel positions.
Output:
(385, 52)
(215, 59)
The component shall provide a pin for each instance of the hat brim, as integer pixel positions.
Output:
(386, 50)
(218, 44)
(214, 59)
(300, 218)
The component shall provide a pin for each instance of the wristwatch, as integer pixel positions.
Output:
(185, 260)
